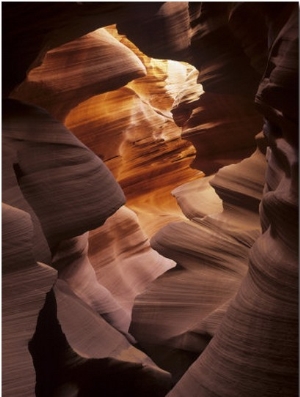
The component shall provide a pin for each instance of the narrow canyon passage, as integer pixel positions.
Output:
(150, 199)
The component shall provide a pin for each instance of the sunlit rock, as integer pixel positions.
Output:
(110, 268)
(74, 267)
(122, 257)
(26, 46)
(223, 321)
(163, 80)
(135, 127)
(140, 143)
(22, 124)
(75, 71)
(212, 255)
(141, 146)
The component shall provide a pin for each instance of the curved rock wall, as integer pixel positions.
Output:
(58, 87)
(254, 351)
(213, 297)
(25, 282)
(211, 250)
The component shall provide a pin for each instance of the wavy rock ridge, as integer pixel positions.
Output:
(209, 305)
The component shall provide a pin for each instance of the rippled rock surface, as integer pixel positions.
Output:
(211, 251)
(208, 306)
(46, 220)
(75, 71)
(257, 341)
(25, 283)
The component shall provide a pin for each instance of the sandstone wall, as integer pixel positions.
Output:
(150, 206)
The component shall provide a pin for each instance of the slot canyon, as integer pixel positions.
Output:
(150, 199)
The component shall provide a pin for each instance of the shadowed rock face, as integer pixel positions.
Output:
(42, 147)
(209, 305)
(257, 340)
(26, 283)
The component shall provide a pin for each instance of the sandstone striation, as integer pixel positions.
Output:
(123, 259)
(89, 359)
(209, 116)
(98, 112)
(140, 143)
(42, 147)
(75, 71)
(211, 251)
(25, 283)
(257, 339)
(57, 157)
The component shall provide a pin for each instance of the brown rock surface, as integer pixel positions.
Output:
(90, 357)
(212, 253)
(90, 65)
(25, 283)
(30, 30)
(257, 341)
(90, 336)
(214, 123)
(55, 149)
(123, 259)
(44, 146)
(74, 267)
(224, 321)
(140, 143)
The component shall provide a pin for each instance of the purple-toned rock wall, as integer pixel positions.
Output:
(150, 199)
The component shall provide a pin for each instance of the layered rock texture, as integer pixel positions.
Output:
(150, 199)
